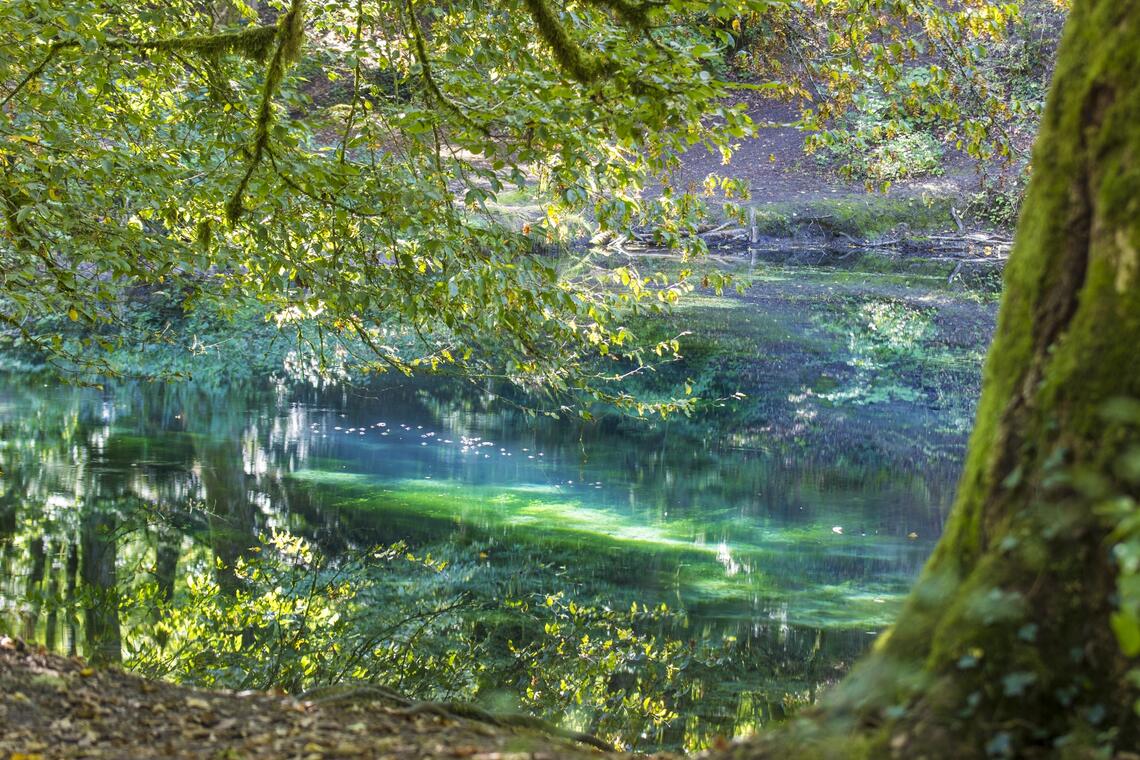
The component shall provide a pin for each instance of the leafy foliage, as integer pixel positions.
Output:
(880, 159)
(146, 151)
(970, 74)
(601, 662)
(300, 623)
(295, 623)
(151, 153)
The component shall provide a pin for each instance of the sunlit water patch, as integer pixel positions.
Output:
(780, 533)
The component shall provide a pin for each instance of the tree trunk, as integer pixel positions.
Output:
(233, 519)
(100, 580)
(1004, 648)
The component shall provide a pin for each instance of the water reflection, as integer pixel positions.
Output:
(102, 489)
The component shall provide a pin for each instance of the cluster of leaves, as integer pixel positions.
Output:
(600, 665)
(292, 621)
(972, 73)
(881, 159)
(299, 622)
(144, 149)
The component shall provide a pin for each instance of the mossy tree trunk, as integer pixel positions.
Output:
(1005, 647)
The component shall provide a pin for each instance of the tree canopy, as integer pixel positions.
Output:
(157, 149)
(336, 166)
(974, 72)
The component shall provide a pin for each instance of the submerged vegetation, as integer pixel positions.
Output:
(539, 578)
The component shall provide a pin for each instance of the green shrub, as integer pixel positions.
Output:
(877, 157)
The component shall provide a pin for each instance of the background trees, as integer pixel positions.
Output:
(347, 185)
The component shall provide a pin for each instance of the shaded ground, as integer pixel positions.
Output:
(54, 707)
(779, 171)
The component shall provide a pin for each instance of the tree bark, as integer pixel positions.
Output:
(233, 522)
(99, 550)
(1004, 647)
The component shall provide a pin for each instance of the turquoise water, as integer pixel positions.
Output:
(790, 523)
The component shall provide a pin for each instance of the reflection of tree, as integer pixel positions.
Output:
(232, 516)
(155, 484)
(219, 428)
(38, 475)
(11, 494)
(95, 482)
(99, 551)
(35, 578)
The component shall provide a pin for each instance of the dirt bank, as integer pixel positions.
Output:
(55, 707)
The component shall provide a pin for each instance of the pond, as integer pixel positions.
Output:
(659, 583)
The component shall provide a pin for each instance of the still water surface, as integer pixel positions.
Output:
(791, 524)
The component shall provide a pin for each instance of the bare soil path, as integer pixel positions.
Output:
(780, 172)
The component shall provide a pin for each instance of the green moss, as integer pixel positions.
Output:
(865, 217)
(289, 37)
(570, 56)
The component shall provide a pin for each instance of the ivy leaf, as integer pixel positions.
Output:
(1127, 630)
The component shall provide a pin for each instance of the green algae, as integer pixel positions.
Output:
(673, 555)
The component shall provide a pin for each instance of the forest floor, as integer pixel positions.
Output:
(57, 707)
(796, 196)
(780, 172)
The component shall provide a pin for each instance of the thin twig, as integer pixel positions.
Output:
(35, 72)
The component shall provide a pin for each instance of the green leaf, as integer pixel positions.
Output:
(1127, 630)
